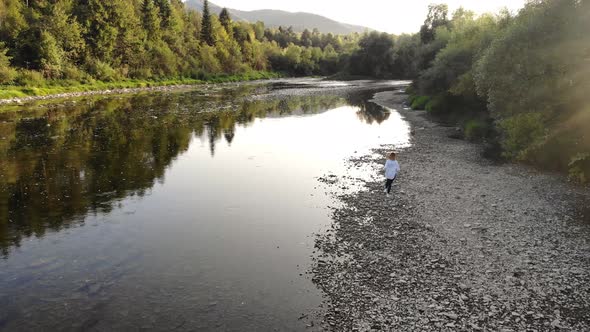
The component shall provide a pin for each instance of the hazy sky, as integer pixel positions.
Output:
(394, 16)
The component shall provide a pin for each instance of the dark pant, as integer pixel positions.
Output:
(388, 184)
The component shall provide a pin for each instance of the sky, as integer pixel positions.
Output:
(393, 16)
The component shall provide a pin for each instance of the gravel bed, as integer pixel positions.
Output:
(463, 245)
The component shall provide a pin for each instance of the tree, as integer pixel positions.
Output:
(437, 17)
(306, 38)
(150, 20)
(112, 30)
(7, 74)
(63, 26)
(164, 11)
(50, 55)
(206, 26)
(12, 21)
(225, 20)
(375, 56)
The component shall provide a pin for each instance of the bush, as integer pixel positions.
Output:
(579, 167)
(72, 73)
(419, 102)
(476, 130)
(520, 134)
(102, 71)
(7, 75)
(437, 105)
(30, 78)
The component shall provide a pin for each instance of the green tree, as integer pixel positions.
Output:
(374, 57)
(51, 56)
(306, 38)
(437, 17)
(165, 12)
(150, 20)
(7, 74)
(66, 30)
(12, 20)
(206, 26)
(225, 20)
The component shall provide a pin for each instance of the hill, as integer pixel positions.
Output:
(275, 18)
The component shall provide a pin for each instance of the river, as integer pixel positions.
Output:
(181, 210)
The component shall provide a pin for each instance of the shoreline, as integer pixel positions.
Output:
(464, 244)
(157, 87)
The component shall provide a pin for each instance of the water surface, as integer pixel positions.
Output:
(191, 210)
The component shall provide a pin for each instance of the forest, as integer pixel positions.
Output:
(514, 81)
(66, 42)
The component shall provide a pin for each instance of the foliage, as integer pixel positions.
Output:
(374, 56)
(206, 26)
(419, 102)
(152, 39)
(437, 17)
(521, 132)
(579, 167)
(476, 130)
(30, 78)
(7, 74)
(527, 73)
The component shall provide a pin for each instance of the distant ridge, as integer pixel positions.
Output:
(275, 18)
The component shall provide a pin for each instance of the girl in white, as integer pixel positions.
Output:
(391, 171)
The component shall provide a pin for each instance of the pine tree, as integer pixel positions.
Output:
(165, 12)
(225, 19)
(206, 26)
(150, 20)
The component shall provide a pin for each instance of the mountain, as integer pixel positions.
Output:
(275, 18)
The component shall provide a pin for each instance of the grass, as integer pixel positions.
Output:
(47, 88)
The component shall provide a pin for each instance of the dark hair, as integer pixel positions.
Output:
(392, 156)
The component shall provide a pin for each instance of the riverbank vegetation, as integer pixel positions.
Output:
(65, 46)
(516, 81)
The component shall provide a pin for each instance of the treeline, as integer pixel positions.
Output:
(518, 82)
(88, 40)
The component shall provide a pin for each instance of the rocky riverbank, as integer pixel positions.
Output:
(23, 100)
(463, 244)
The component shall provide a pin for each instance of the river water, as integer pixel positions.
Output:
(185, 210)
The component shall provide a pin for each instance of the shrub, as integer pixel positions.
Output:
(419, 102)
(476, 130)
(102, 71)
(437, 105)
(579, 167)
(7, 74)
(521, 133)
(72, 73)
(30, 78)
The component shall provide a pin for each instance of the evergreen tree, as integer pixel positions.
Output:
(206, 26)
(165, 11)
(225, 19)
(150, 20)
(66, 30)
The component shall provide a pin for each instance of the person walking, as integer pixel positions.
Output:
(391, 171)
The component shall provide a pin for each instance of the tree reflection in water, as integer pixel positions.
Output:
(59, 163)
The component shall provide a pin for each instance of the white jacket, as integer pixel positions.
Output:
(391, 169)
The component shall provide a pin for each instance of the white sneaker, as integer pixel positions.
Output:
(385, 190)
(388, 195)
